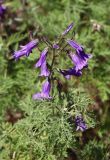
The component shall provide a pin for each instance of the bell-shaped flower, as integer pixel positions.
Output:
(70, 72)
(42, 63)
(80, 123)
(79, 62)
(68, 29)
(75, 45)
(81, 58)
(44, 70)
(45, 93)
(42, 58)
(25, 50)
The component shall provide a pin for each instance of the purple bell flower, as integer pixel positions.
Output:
(42, 63)
(79, 62)
(45, 93)
(25, 50)
(70, 72)
(80, 123)
(68, 29)
(2, 10)
(44, 70)
(42, 58)
(81, 58)
(75, 45)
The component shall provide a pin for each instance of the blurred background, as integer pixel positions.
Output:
(24, 19)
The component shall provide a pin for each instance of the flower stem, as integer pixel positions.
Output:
(51, 69)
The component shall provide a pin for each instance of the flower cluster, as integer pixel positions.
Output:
(79, 60)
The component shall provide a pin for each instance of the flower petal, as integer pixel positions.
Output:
(46, 88)
(44, 70)
(45, 94)
(70, 72)
(42, 58)
(75, 45)
(80, 123)
(68, 29)
(79, 62)
(26, 50)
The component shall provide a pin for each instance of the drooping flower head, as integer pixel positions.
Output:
(80, 123)
(2, 10)
(75, 45)
(42, 58)
(70, 72)
(25, 50)
(43, 64)
(81, 57)
(79, 62)
(45, 93)
(68, 29)
(44, 70)
(28, 48)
